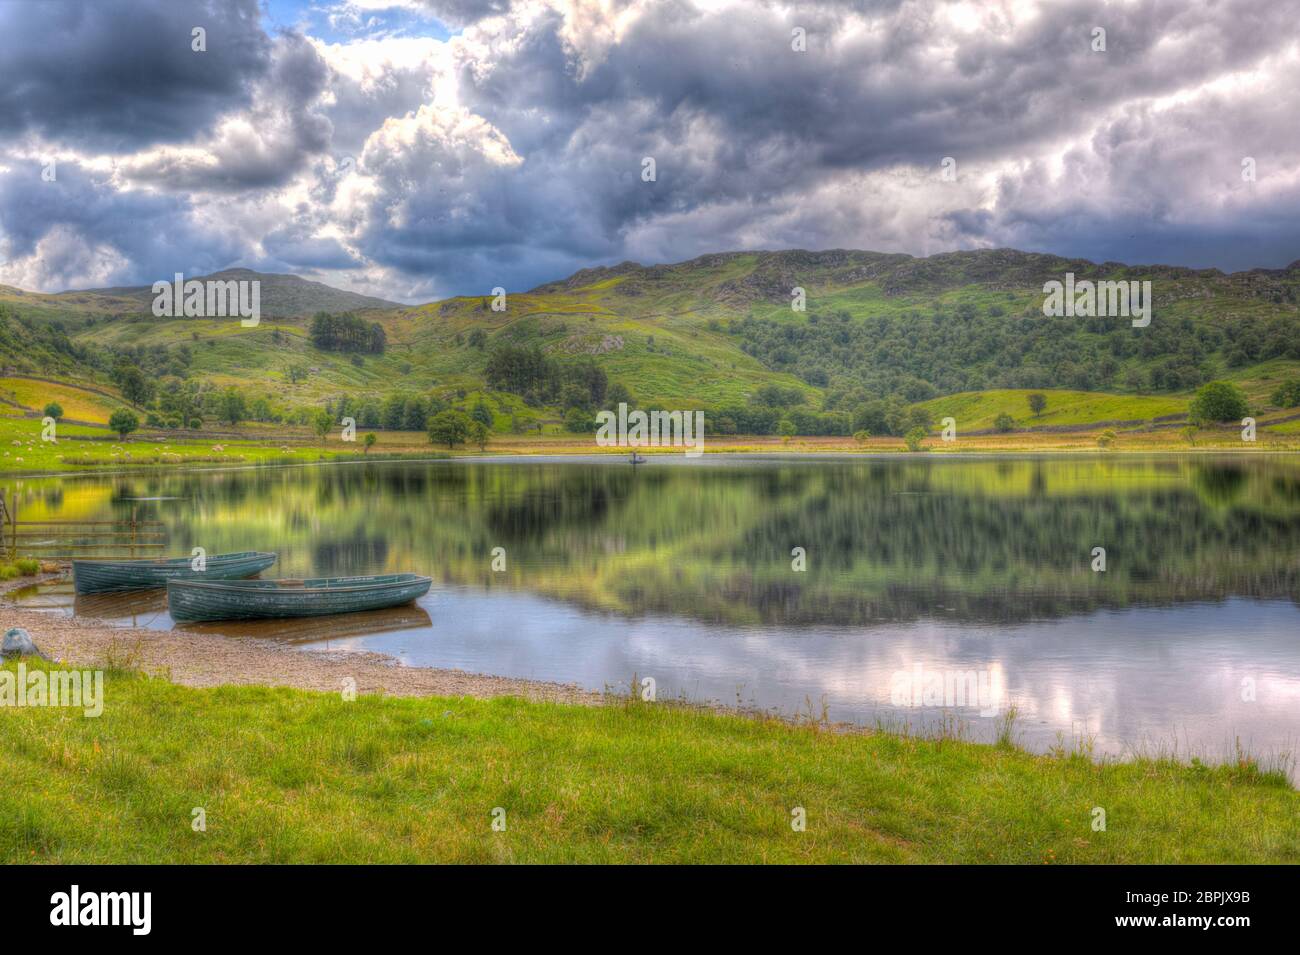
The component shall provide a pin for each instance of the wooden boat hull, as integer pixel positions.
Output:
(105, 576)
(200, 600)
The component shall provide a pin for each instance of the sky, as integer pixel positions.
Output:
(417, 149)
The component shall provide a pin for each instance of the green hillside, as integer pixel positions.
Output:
(959, 333)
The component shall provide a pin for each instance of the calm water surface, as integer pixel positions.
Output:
(923, 578)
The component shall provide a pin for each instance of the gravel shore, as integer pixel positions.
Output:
(198, 659)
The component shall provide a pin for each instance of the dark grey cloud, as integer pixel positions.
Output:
(80, 226)
(256, 148)
(116, 75)
(462, 12)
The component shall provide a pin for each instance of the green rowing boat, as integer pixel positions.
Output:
(104, 576)
(197, 600)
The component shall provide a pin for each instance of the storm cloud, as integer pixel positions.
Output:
(517, 147)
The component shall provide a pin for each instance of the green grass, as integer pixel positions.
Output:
(295, 776)
(977, 410)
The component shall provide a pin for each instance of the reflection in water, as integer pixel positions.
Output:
(322, 630)
(127, 604)
(682, 570)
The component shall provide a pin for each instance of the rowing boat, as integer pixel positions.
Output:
(196, 600)
(103, 576)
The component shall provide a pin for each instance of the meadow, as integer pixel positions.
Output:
(423, 780)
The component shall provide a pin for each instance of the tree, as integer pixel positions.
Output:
(451, 427)
(862, 436)
(368, 441)
(347, 333)
(786, 430)
(231, 406)
(618, 394)
(123, 422)
(1004, 423)
(1037, 403)
(482, 414)
(136, 388)
(1218, 401)
(321, 423)
(914, 438)
(54, 410)
(478, 433)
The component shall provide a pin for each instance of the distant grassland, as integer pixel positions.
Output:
(79, 404)
(417, 780)
(976, 410)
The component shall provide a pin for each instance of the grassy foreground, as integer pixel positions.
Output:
(294, 776)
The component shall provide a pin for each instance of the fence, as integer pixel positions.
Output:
(59, 539)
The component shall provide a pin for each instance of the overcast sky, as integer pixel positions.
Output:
(415, 149)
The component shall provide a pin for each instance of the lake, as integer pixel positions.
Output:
(925, 592)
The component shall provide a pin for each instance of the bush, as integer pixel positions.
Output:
(1218, 401)
(196, 424)
(861, 437)
(1004, 423)
(54, 410)
(914, 438)
(1286, 396)
(27, 566)
(579, 421)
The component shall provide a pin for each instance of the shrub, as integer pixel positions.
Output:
(1004, 423)
(914, 438)
(27, 566)
(1286, 396)
(1218, 401)
(861, 437)
(54, 410)
(579, 421)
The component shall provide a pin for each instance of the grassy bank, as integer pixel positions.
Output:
(293, 776)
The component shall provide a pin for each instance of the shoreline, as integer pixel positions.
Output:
(210, 660)
(560, 452)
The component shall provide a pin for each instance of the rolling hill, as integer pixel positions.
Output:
(717, 332)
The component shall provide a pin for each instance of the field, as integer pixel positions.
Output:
(978, 410)
(78, 404)
(418, 780)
